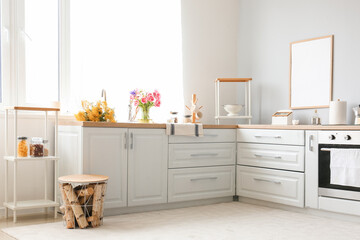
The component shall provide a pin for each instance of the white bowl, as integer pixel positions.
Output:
(233, 109)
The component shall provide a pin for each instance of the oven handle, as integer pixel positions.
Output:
(325, 149)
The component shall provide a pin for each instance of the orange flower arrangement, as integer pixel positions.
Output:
(99, 112)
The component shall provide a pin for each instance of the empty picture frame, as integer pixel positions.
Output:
(311, 72)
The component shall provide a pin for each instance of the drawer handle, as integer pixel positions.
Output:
(205, 178)
(204, 154)
(211, 135)
(132, 141)
(261, 136)
(266, 180)
(268, 156)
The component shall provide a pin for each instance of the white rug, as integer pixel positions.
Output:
(219, 221)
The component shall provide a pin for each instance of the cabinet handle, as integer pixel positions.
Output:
(266, 180)
(259, 155)
(205, 178)
(311, 148)
(132, 140)
(125, 140)
(204, 154)
(261, 136)
(211, 135)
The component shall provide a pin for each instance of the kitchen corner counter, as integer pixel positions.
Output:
(135, 125)
(300, 127)
(210, 126)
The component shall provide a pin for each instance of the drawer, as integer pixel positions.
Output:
(201, 183)
(271, 156)
(271, 185)
(201, 155)
(210, 135)
(289, 137)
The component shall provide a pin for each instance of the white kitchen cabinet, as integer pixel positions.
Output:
(147, 167)
(271, 185)
(311, 170)
(210, 136)
(201, 183)
(287, 137)
(201, 154)
(70, 150)
(271, 165)
(105, 153)
(286, 157)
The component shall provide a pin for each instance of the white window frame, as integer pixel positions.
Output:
(9, 94)
(13, 46)
(64, 55)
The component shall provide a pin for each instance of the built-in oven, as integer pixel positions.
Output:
(330, 140)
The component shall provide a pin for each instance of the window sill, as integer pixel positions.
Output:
(37, 115)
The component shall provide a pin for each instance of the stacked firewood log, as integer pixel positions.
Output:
(82, 205)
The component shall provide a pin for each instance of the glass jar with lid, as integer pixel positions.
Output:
(36, 147)
(22, 148)
(187, 119)
(46, 147)
(174, 118)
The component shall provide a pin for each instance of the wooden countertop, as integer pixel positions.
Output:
(210, 126)
(134, 125)
(300, 127)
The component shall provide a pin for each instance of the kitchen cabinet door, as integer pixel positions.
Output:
(105, 153)
(311, 170)
(147, 171)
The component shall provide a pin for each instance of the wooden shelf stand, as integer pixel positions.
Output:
(30, 204)
(247, 82)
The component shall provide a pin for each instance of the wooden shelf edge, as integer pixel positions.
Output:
(52, 109)
(233, 79)
(233, 117)
(30, 204)
(48, 158)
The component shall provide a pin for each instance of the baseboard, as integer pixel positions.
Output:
(23, 212)
(310, 211)
(165, 206)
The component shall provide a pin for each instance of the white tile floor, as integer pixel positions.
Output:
(218, 221)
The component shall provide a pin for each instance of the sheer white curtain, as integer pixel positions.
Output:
(119, 45)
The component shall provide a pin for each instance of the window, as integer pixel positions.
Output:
(83, 46)
(120, 45)
(29, 52)
(38, 69)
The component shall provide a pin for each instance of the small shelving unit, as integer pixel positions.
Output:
(247, 82)
(41, 203)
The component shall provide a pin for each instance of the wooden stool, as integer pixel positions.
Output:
(82, 199)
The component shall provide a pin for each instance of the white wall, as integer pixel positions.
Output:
(31, 175)
(265, 30)
(209, 50)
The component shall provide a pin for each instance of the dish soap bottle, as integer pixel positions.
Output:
(315, 120)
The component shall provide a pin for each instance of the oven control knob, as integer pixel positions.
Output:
(347, 137)
(332, 137)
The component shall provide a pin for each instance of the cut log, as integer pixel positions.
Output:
(75, 205)
(96, 210)
(103, 190)
(85, 200)
(69, 215)
(62, 209)
(91, 219)
(85, 192)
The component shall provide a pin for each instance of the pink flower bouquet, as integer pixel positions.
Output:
(144, 101)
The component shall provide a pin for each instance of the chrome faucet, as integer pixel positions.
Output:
(103, 94)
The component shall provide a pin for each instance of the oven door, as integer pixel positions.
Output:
(330, 190)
